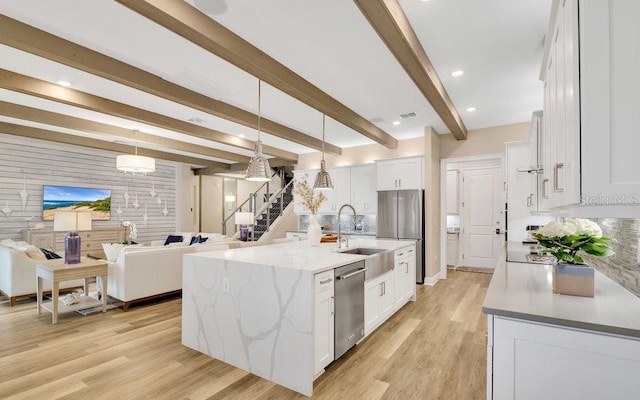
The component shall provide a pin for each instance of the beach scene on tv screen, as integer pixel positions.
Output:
(64, 198)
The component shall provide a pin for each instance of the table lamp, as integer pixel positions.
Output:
(72, 222)
(244, 219)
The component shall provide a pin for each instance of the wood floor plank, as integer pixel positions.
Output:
(434, 348)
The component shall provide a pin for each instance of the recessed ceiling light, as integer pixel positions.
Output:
(64, 83)
(457, 73)
(471, 109)
(396, 122)
(196, 120)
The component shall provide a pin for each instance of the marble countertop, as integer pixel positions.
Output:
(300, 255)
(524, 291)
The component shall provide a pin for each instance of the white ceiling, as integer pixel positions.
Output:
(498, 43)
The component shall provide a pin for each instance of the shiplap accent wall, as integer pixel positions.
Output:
(49, 163)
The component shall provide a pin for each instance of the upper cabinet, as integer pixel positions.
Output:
(341, 193)
(364, 197)
(590, 94)
(452, 191)
(400, 174)
(354, 185)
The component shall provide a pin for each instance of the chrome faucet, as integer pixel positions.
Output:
(339, 213)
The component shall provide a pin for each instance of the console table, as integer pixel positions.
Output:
(56, 271)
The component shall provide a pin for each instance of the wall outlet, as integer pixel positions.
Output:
(225, 285)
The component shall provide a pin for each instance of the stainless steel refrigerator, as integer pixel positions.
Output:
(401, 216)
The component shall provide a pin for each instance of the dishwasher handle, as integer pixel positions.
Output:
(349, 275)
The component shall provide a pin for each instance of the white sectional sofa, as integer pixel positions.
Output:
(144, 273)
(18, 275)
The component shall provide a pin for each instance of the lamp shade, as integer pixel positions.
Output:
(135, 163)
(258, 169)
(70, 221)
(323, 179)
(244, 218)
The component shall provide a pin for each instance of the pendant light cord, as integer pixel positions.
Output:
(259, 102)
(323, 117)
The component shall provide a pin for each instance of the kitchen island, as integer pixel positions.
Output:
(553, 346)
(254, 308)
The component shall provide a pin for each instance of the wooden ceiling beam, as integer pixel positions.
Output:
(52, 136)
(393, 27)
(35, 41)
(35, 87)
(112, 131)
(187, 21)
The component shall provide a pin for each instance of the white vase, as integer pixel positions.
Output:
(314, 231)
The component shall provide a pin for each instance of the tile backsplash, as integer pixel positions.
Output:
(623, 267)
(348, 223)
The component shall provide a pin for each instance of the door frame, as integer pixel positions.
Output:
(443, 198)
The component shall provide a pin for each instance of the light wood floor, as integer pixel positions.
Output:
(431, 349)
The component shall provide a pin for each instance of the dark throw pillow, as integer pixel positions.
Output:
(203, 239)
(49, 254)
(173, 239)
(195, 239)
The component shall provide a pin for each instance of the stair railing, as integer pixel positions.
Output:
(265, 207)
(252, 203)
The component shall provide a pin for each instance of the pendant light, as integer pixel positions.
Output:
(323, 180)
(135, 164)
(258, 169)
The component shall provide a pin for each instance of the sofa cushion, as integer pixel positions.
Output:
(194, 239)
(49, 255)
(33, 252)
(173, 239)
(112, 250)
(8, 243)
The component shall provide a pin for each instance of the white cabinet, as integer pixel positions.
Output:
(452, 191)
(90, 241)
(323, 331)
(591, 84)
(405, 275)
(452, 249)
(401, 173)
(308, 175)
(364, 196)
(519, 185)
(341, 193)
(541, 361)
(379, 301)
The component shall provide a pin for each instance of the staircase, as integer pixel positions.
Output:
(273, 211)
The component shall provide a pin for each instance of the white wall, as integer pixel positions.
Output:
(211, 204)
(48, 163)
(187, 199)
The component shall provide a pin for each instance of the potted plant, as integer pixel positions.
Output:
(564, 240)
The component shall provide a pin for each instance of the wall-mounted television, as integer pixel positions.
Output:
(66, 198)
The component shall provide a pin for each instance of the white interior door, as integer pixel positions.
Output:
(482, 216)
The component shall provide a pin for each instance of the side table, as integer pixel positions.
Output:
(56, 271)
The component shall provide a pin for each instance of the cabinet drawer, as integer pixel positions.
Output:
(324, 281)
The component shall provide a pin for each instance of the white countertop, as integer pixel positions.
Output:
(300, 255)
(524, 291)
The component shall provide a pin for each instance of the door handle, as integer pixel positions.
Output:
(333, 305)
(528, 201)
(347, 276)
(556, 172)
(407, 268)
(381, 291)
(545, 183)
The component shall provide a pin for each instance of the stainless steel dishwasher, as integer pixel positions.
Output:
(349, 306)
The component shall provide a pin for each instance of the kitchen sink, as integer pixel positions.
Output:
(378, 261)
(365, 251)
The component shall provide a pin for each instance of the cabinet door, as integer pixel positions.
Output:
(452, 192)
(387, 175)
(43, 240)
(538, 361)
(518, 190)
(452, 249)
(364, 196)
(372, 296)
(400, 271)
(323, 330)
(609, 85)
(341, 193)
(410, 173)
(388, 298)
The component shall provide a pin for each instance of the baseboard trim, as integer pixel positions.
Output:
(432, 280)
